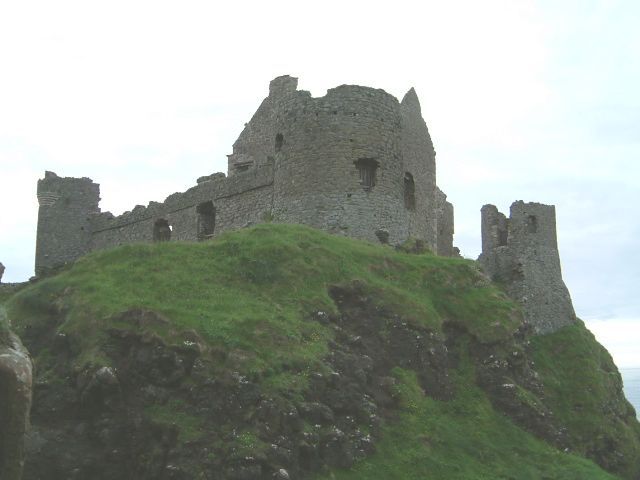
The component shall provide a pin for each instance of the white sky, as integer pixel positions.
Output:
(527, 100)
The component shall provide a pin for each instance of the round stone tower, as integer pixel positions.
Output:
(355, 161)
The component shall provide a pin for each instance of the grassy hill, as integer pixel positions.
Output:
(283, 352)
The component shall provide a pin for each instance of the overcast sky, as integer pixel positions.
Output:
(537, 101)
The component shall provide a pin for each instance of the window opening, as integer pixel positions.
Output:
(206, 220)
(502, 237)
(409, 192)
(279, 142)
(161, 231)
(532, 224)
(367, 168)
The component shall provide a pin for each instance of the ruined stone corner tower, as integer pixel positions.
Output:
(521, 254)
(65, 207)
(353, 162)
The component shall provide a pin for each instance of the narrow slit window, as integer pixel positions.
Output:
(279, 142)
(502, 237)
(367, 168)
(206, 220)
(532, 224)
(409, 192)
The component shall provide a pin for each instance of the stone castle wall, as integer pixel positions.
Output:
(419, 159)
(317, 144)
(64, 230)
(521, 253)
(236, 201)
(444, 224)
(329, 142)
(355, 162)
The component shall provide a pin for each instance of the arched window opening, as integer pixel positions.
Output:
(206, 220)
(409, 192)
(279, 141)
(367, 168)
(161, 231)
(532, 224)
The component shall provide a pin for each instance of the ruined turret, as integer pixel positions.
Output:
(521, 254)
(65, 205)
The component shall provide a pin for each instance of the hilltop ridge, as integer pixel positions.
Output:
(280, 351)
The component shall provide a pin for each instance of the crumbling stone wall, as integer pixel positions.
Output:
(64, 231)
(320, 147)
(262, 137)
(340, 167)
(354, 162)
(419, 161)
(521, 253)
(238, 200)
(444, 224)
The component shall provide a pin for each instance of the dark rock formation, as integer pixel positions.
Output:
(15, 401)
(129, 419)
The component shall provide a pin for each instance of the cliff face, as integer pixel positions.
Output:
(15, 401)
(283, 352)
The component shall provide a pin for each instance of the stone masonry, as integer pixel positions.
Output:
(356, 162)
(521, 254)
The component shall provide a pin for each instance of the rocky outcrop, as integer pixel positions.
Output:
(138, 415)
(177, 411)
(15, 401)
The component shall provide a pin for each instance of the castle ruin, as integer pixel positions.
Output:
(521, 254)
(355, 162)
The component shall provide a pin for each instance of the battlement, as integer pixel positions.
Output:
(521, 253)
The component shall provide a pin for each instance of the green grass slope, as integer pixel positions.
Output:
(583, 388)
(462, 439)
(249, 296)
(250, 290)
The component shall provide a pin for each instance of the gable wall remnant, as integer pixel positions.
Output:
(444, 225)
(419, 161)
